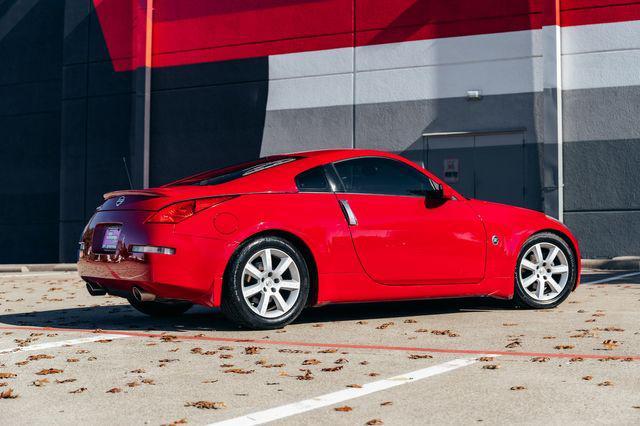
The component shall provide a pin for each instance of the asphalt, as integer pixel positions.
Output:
(70, 358)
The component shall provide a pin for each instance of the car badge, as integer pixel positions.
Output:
(120, 201)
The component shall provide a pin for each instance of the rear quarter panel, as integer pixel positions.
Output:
(314, 218)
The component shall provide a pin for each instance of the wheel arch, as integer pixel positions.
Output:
(297, 242)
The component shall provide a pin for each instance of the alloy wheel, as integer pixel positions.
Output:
(543, 271)
(271, 283)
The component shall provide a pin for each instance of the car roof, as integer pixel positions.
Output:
(330, 155)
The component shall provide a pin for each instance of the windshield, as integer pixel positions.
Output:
(228, 174)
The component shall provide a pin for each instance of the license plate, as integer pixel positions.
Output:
(110, 240)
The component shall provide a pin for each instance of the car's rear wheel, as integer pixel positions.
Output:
(160, 309)
(545, 272)
(266, 285)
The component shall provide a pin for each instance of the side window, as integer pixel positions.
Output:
(313, 180)
(381, 176)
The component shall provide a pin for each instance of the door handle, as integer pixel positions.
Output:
(348, 213)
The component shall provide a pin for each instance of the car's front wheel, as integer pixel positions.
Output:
(266, 285)
(545, 272)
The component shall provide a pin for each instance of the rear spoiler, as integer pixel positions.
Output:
(139, 192)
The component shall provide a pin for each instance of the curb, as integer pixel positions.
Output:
(624, 263)
(41, 267)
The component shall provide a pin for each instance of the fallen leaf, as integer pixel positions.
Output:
(576, 359)
(148, 381)
(540, 359)
(252, 350)
(361, 322)
(410, 321)
(72, 360)
(7, 375)
(328, 351)
(206, 405)
(49, 371)
(290, 351)
(133, 384)
(587, 378)
(386, 403)
(486, 358)
(341, 361)
(8, 394)
(611, 329)
(39, 356)
(374, 422)
(517, 388)
(560, 347)
(491, 367)
(40, 382)
(308, 375)
(239, 371)
(176, 422)
(138, 371)
(332, 369)
(344, 408)
(513, 344)
(444, 333)
(385, 325)
(79, 390)
(420, 356)
(114, 390)
(509, 324)
(422, 330)
(65, 381)
(354, 386)
(610, 344)
(311, 361)
(606, 383)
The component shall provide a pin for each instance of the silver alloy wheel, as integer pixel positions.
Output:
(271, 283)
(543, 271)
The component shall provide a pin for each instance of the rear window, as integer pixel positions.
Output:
(228, 174)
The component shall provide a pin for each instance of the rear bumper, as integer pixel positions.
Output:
(191, 273)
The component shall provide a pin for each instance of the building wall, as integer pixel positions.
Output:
(235, 80)
(601, 82)
(30, 81)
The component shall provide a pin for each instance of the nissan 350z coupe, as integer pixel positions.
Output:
(265, 239)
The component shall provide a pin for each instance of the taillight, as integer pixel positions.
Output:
(177, 212)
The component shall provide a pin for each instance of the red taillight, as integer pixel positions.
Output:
(177, 212)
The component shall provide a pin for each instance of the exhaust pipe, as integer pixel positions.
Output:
(95, 289)
(143, 296)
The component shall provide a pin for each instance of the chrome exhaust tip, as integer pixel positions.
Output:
(143, 296)
(95, 289)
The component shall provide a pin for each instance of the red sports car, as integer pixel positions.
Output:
(265, 239)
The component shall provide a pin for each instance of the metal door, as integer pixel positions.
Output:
(487, 166)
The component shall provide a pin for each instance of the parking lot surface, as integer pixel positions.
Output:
(67, 357)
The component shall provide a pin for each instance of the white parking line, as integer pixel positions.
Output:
(616, 277)
(71, 342)
(299, 407)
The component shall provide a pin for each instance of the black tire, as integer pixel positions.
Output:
(160, 309)
(521, 297)
(233, 304)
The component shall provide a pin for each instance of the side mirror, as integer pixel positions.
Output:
(435, 194)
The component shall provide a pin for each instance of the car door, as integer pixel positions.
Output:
(400, 238)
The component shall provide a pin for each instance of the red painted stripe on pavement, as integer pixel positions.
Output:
(330, 345)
